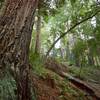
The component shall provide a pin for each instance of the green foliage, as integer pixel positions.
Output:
(37, 64)
(87, 72)
(79, 48)
(57, 17)
(72, 2)
(59, 3)
(82, 43)
(67, 88)
(70, 91)
(1, 2)
(7, 87)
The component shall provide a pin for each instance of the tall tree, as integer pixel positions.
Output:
(16, 23)
(38, 31)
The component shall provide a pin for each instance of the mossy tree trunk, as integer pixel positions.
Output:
(16, 23)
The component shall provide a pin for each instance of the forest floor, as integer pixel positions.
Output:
(49, 88)
(54, 87)
(50, 84)
(90, 75)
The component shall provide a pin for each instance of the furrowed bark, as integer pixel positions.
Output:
(16, 23)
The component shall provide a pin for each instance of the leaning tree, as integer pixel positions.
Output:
(16, 21)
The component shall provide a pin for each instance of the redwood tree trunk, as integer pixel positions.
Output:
(16, 23)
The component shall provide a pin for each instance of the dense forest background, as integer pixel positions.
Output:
(65, 39)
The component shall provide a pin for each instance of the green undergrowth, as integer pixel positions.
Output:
(37, 63)
(63, 84)
(86, 73)
(68, 92)
(7, 87)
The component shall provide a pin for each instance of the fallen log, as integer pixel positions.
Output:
(62, 70)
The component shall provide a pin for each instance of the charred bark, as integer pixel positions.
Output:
(16, 23)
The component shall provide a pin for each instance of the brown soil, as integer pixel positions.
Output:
(45, 89)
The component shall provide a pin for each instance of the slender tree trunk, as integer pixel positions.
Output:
(38, 31)
(96, 61)
(54, 49)
(62, 52)
(90, 58)
(16, 23)
(99, 59)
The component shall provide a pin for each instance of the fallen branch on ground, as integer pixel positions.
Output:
(62, 70)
